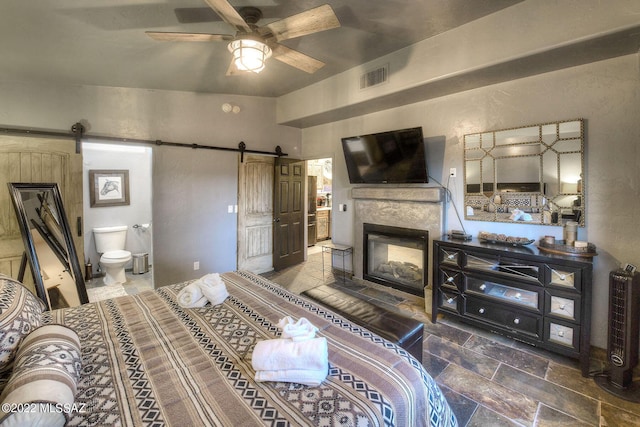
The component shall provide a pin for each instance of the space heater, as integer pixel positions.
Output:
(622, 343)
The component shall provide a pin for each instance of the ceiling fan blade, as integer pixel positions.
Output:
(311, 21)
(229, 15)
(187, 37)
(296, 59)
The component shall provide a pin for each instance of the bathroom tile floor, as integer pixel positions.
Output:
(489, 380)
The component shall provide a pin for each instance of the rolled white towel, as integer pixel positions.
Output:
(299, 330)
(215, 294)
(284, 354)
(212, 288)
(516, 215)
(191, 296)
(212, 279)
(300, 376)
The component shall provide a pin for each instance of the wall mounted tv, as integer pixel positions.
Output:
(395, 157)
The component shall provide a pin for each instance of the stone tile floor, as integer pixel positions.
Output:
(489, 380)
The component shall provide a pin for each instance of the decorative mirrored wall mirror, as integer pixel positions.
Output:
(531, 174)
(49, 247)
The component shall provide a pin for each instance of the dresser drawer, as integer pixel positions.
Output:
(450, 256)
(506, 292)
(563, 305)
(450, 301)
(511, 319)
(563, 277)
(451, 279)
(562, 335)
(505, 266)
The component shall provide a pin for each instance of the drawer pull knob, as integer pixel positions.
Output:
(481, 311)
(518, 295)
(450, 279)
(563, 277)
(562, 306)
(516, 321)
(450, 300)
(560, 333)
(451, 256)
(483, 287)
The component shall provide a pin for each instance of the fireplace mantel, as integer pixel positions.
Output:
(421, 208)
(413, 194)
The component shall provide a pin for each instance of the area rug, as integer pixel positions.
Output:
(105, 292)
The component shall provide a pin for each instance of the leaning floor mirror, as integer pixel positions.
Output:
(49, 247)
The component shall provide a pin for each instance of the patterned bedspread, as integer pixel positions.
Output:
(147, 361)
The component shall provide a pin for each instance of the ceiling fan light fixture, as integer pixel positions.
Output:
(249, 54)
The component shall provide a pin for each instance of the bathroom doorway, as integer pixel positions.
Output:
(319, 196)
(135, 163)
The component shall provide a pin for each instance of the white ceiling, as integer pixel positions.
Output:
(102, 42)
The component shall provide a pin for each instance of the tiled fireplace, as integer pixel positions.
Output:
(419, 209)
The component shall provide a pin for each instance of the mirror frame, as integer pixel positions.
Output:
(72, 263)
(531, 142)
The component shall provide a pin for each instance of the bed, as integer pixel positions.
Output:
(146, 361)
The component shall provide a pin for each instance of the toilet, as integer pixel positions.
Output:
(110, 245)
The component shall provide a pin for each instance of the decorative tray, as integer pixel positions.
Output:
(560, 248)
(502, 239)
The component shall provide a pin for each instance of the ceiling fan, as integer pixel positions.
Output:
(253, 44)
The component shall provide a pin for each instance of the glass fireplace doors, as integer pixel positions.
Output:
(396, 257)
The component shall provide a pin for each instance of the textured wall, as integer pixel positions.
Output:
(606, 94)
(191, 192)
(191, 188)
(525, 29)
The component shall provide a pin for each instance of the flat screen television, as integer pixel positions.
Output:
(395, 157)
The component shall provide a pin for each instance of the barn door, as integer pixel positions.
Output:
(255, 214)
(37, 160)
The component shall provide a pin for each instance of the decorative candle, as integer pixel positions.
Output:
(570, 232)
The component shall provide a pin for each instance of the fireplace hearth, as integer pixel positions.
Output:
(396, 257)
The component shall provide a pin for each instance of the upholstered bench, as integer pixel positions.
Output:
(401, 330)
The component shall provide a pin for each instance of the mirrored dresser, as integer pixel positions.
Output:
(518, 291)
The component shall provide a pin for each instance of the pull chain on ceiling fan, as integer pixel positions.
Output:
(252, 45)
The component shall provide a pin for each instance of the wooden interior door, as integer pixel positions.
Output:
(255, 214)
(289, 201)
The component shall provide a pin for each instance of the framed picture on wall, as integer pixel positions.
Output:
(108, 188)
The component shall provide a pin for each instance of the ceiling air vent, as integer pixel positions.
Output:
(374, 77)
